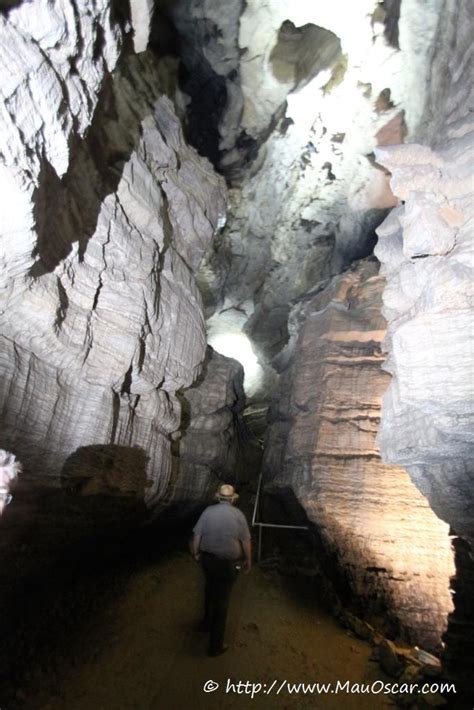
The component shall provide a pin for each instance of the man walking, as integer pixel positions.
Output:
(221, 539)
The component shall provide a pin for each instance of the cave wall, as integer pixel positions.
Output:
(109, 213)
(391, 549)
(425, 247)
(212, 445)
(314, 185)
(206, 41)
(306, 193)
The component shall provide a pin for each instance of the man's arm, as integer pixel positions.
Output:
(247, 548)
(197, 536)
(195, 543)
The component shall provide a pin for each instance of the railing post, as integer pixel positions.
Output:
(260, 525)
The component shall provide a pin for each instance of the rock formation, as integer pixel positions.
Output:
(213, 444)
(425, 247)
(392, 550)
(110, 212)
(107, 396)
(312, 102)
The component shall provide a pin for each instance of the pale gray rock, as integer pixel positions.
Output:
(141, 12)
(425, 248)
(211, 408)
(321, 446)
(213, 445)
(307, 198)
(101, 318)
(52, 61)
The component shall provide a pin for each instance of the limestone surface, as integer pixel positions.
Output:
(212, 444)
(426, 251)
(391, 547)
(320, 85)
(109, 214)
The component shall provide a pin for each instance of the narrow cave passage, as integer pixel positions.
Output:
(118, 629)
(237, 250)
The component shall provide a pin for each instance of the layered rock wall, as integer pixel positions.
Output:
(425, 248)
(426, 251)
(109, 214)
(318, 87)
(391, 548)
(213, 441)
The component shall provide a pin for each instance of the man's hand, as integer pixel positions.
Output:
(247, 548)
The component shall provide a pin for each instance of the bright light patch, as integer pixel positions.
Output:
(225, 334)
(236, 345)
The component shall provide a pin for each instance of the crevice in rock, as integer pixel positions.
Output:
(95, 172)
(127, 381)
(388, 12)
(63, 306)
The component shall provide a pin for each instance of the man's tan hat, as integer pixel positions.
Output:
(227, 492)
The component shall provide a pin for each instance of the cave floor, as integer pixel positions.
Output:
(137, 647)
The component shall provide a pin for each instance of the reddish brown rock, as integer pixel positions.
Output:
(322, 445)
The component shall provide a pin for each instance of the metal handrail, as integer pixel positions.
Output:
(261, 525)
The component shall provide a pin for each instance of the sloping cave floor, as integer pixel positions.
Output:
(112, 626)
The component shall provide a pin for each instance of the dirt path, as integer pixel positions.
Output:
(143, 652)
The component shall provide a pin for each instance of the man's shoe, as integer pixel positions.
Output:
(219, 652)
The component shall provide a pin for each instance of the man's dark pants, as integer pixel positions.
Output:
(220, 576)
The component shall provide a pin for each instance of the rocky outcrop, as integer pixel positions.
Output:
(210, 432)
(141, 14)
(314, 103)
(390, 546)
(110, 213)
(247, 76)
(425, 247)
(207, 44)
(52, 62)
(214, 445)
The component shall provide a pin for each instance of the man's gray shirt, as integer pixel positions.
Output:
(222, 528)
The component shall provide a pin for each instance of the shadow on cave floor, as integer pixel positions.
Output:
(117, 632)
